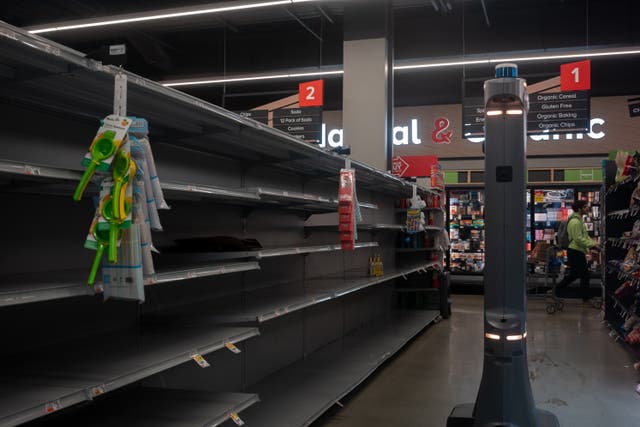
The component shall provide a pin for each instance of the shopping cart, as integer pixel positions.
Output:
(545, 262)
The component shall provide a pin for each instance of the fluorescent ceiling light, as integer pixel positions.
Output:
(438, 64)
(514, 112)
(403, 65)
(155, 15)
(594, 53)
(494, 112)
(515, 337)
(494, 337)
(198, 82)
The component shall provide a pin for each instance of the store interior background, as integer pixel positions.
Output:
(310, 36)
(304, 37)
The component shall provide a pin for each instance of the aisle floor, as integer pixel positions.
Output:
(576, 371)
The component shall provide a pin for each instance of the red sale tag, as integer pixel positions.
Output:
(575, 76)
(310, 93)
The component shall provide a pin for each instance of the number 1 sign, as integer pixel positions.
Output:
(575, 76)
(310, 93)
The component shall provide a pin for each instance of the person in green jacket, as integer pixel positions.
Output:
(579, 246)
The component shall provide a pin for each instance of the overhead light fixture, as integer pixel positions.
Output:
(494, 337)
(494, 112)
(403, 65)
(156, 15)
(514, 112)
(594, 53)
(199, 82)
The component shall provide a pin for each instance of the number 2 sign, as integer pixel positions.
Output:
(575, 76)
(310, 93)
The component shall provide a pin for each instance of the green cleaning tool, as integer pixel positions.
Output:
(120, 169)
(102, 148)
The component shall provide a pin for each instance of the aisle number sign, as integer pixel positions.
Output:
(575, 76)
(311, 93)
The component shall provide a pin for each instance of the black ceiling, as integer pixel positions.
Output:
(270, 39)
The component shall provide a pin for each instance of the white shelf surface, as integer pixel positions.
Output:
(66, 179)
(67, 374)
(266, 304)
(158, 407)
(364, 227)
(22, 289)
(278, 252)
(300, 393)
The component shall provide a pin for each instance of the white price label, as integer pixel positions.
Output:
(31, 170)
(98, 390)
(52, 406)
(236, 419)
(231, 347)
(200, 360)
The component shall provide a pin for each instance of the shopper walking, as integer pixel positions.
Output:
(579, 246)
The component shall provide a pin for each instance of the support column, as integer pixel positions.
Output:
(368, 81)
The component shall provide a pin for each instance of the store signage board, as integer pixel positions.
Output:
(261, 116)
(413, 166)
(473, 117)
(575, 76)
(311, 93)
(304, 123)
(634, 107)
(558, 112)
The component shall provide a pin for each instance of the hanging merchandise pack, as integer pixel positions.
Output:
(348, 210)
(127, 206)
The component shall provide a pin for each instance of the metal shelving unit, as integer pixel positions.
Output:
(59, 285)
(210, 162)
(70, 78)
(265, 304)
(164, 408)
(66, 179)
(68, 375)
(299, 394)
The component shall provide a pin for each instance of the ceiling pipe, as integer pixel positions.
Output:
(486, 15)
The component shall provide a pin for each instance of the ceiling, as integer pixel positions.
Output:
(311, 34)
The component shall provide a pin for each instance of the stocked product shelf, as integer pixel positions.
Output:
(624, 242)
(156, 407)
(22, 289)
(623, 213)
(300, 393)
(33, 386)
(265, 304)
(68, 78)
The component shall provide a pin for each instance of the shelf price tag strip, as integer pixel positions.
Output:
(97, 390)
(236, 419)
(232, 348)
(200, 360)
(53, 406)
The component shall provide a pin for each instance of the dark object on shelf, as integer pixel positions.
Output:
(346, 150)
(213, 244)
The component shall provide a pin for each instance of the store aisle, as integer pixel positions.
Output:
(576, 371)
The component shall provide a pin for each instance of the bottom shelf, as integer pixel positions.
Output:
(157, 407)
(300, 393)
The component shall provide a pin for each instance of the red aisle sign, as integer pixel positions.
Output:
(575, 76)
(310, 93)
(409, 166)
